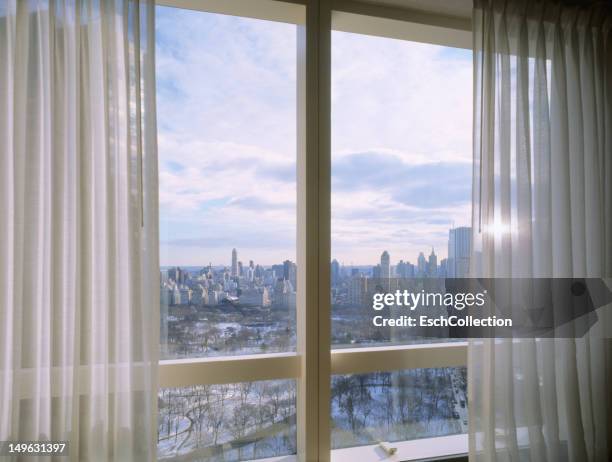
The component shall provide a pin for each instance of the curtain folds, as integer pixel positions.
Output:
(78, 236)
(542, 207)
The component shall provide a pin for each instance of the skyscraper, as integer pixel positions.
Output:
(400, 269)
(358, 289)
(421, 265)
(385, 265)
(290, 273)
(177, 275)
(459, 252)
(432, 270)
(442, 269)
(234, 262)
(335, 272)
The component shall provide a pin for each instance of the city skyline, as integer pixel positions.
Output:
(235, 260)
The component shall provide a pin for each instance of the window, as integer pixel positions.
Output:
(398, 405)
(232, 161)
(226, 90)
(255, 419)
(401, 209)
(227, 150)
(401, 175)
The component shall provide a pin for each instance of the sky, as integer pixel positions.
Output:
(401, 142)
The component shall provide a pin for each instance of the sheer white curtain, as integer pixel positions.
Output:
(542, 201)
(78, 228)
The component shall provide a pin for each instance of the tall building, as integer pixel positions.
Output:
(459, 252)
(199, 295)
(184, 295)
(284, 293)
(442, 268)
(278, 270)
(432, 267)
(358, 289)
(404, 269)
(165, 296)
(177, 275)
(235, 263)
(409, 270)
(421, 265)
(385, 265)
(335, 272)
(290, 272)
(176, 295)
(400, 269)
(250, 274)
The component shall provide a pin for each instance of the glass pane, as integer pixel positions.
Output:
(398, 405)
(226, 89)
(233, 422)
(401, 176)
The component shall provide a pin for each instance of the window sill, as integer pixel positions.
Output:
(421, 449)
(442, 447)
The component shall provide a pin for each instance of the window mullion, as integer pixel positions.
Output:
(314, 186)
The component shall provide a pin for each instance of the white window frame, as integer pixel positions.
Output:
(314, 362)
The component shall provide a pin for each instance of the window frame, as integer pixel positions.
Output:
(314, 361)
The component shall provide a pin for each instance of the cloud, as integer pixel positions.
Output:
(252, 202)
(401, 142)
(423, 185)
(412, 97)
